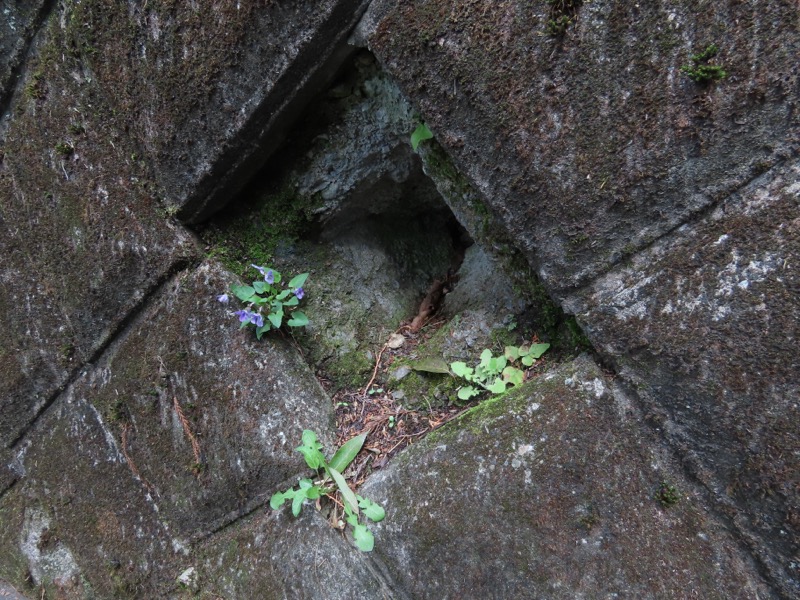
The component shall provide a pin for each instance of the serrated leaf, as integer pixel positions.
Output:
(297, 504)
(498, 386)
(430, 365)
(298, 281)
(363, 538)
(461, 369)
(242, 292)
(347, 494)
(537, 350)
(420, 133)
(275, 319)
(467, 392)
(298, 319)
(372, 510)
(350, 516)
(347, 452)
(310, 450)
(277, 500)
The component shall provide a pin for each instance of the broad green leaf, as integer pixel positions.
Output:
(313, 492)
(512, 352)
(461, 369)
(528, 360)
(298, 281)
(350, 516)
(277, 500)
(363, 538)
(305, 484)
(242, 292)
(486, 356)
(297, 504)
(497, 364)
(283, 295)
(498, 386)
(260, 286)
(293, 301)
(537, 350)
(513, 375)
(430, 365)
(311, 450)
(298, 319)
(258, 300)
(275, 319)
(348, 451)
(347, 494)
(276, 276)
(372, 510)
(467, 392)
(420, 133)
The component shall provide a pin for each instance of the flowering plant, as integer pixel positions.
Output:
(270, 296)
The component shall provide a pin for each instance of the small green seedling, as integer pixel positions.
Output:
(420, 133)
(702, 72)
(329, 480)
(495, 373)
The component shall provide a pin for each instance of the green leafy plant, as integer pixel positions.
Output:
(329, 480)
(420, 133)
(279, 301)
(667, 494)
(495, 373)
(700, 71)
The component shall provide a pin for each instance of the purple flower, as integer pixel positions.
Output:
(257, 268)
(222, 298)
(269, 277)
(299, 293)
(243, 315)
(257, 319)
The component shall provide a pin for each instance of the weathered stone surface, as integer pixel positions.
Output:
(82, 241)
(244, 402)
(549, 492)
(706, 323)
(18, 21)
(284, 557)
(210, 91)
(79, 523)
(592, 144)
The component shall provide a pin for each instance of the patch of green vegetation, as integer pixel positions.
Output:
(563, 13)
(667, 494)
(36, 88)
(251, 233)
(64, 148)
(700, 71)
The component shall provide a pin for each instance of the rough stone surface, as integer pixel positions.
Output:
(18, 22)
(549, 493)
(82, 242)
(210, 90)
(705, 323)
(244, 403)
(592, 144)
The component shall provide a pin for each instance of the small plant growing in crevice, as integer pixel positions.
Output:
(496, 373)
(667, 494)
(563, 13)
(330, 480)
(700, 71)
(271, 297)
(420, 133)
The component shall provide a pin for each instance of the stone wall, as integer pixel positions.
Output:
(141, 435)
